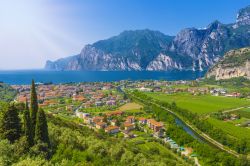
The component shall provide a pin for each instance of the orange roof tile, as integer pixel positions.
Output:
(109, 128)
(128, 124)
(141, 118)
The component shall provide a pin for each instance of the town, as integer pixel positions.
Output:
(100, 106)
(147, 112)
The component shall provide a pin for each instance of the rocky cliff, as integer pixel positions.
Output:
(235, 63)
(190, 49)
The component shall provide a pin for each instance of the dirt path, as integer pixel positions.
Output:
(234, 109)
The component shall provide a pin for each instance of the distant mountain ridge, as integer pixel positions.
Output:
(191, 49)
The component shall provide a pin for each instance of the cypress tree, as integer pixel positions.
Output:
(41, 133)
(33, 108)
(27, 105)
(11, 126)
(27, 126)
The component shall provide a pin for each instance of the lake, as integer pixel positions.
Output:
(18, 77)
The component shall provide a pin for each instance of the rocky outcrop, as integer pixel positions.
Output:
(236, 63)
(205, 46)
(243, 17)
(163, 63)
(191, 49)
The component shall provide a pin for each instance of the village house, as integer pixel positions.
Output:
(100, 125)
(130, 119)
(111, 102)
(234, 117)
(97, 119)
(112, 129)
(142, 120)
(154, 125)
(87, 104)
(78, 98)
(173, 144)
(160, 133)
(128, 126)
(88, 120)
(234, 94)
(79, 115)
(50, 102)
(157, 89)
(143, 89)
(113, 122)
(22, 98)
(98, 103)
(202, 90)
(187, 151)
(218, 91)
(69, 107)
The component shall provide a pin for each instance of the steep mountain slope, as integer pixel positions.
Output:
(235, 63)
(190, 49)
(130, 50)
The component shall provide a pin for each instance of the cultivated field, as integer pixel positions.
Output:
(201, 104)
(230, 128)
(245, 112)
(130, 106)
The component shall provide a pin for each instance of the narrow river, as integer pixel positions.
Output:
(188, 130)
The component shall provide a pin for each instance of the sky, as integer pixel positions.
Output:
(33, 31)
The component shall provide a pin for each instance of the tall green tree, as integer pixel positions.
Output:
(41, 134)
(33, 107)
(11, 126)
(27, 127)
(27, 105)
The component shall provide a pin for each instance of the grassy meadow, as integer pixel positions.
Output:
(245, 112)
(201, 104)
(230, 128)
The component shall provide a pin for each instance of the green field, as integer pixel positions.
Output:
(201, 104)
(230, 128)
(245, 113)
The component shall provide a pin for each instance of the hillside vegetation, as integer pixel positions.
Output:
(6, 92)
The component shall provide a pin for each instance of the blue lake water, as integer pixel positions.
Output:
(25, 76)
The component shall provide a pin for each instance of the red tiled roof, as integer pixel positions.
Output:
(155, 123)
(141, 118)
(109, 128)
(128, 124)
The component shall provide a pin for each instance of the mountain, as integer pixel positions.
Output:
(130, 50)
(235, 63)
(191, 49)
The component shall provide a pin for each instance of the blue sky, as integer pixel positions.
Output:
(33, 31)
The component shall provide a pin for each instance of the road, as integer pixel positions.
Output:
(200, 133)
(196, 161)
(235, 109)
